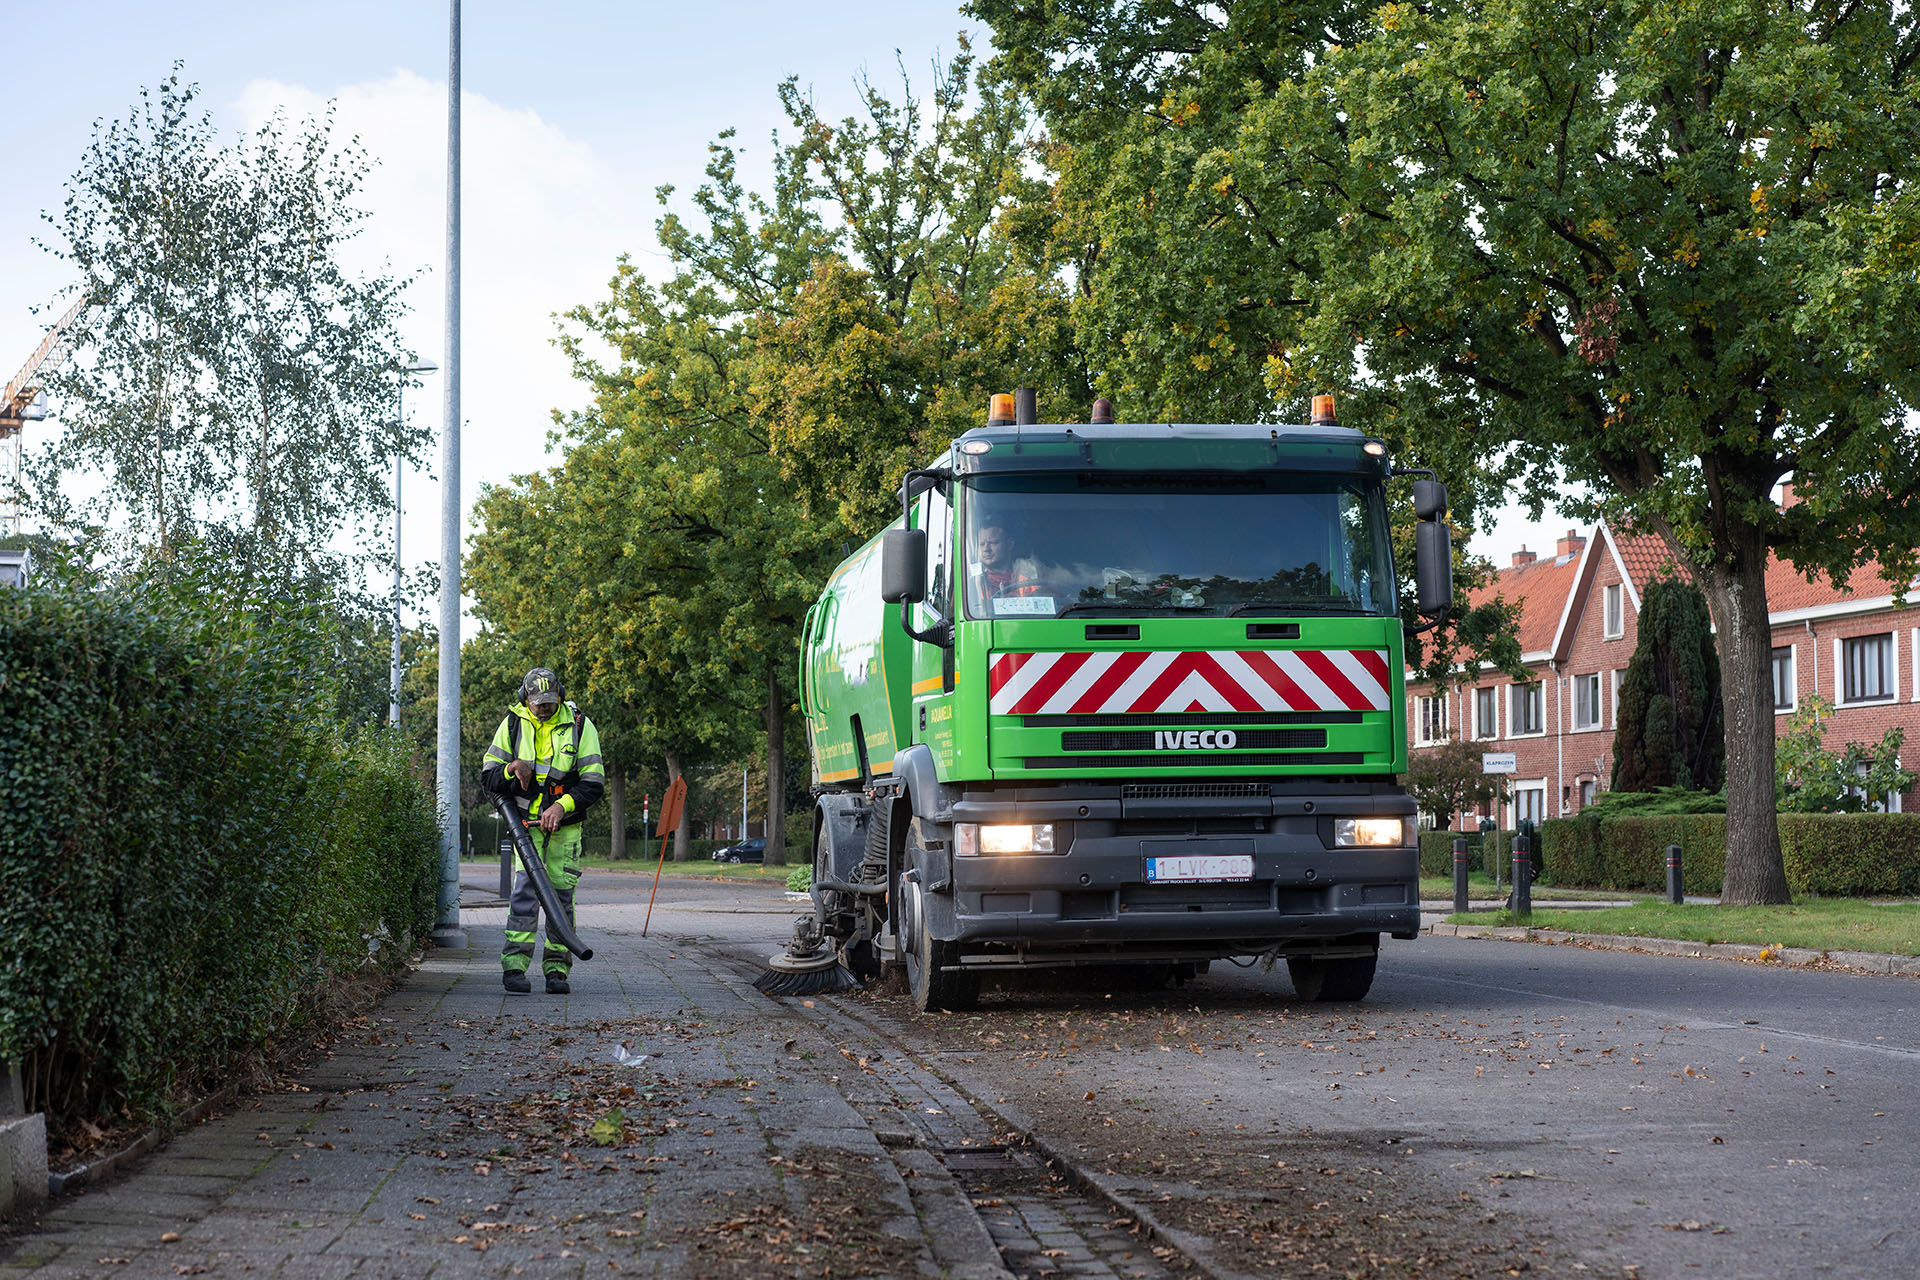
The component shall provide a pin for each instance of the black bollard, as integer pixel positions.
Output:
(1459, 874)
(1523, 876)
(1674, 891)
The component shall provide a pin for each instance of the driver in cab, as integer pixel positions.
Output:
(997, 573)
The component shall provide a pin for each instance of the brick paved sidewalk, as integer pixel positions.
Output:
(460, 1131)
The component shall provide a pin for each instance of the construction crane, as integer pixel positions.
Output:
(23, 403)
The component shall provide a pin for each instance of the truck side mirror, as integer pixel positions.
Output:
(1433, 565)
(903, 566)
(1429, 500)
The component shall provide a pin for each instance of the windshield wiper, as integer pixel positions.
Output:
(1118, 607)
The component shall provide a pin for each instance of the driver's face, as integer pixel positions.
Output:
(993, 545)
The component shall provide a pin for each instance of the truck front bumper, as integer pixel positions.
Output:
(1301, 892)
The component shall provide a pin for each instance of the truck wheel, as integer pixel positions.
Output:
(1345, 979)
(929, 984)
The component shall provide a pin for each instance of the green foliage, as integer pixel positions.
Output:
(800, 879)
(232, 380)
(1661, 254)
(202, 850)
(1863, 854)
(760, 403)
(1492, 853)
(1448, 779)
(1809, 778)
(1645, 804)
(1671, 731)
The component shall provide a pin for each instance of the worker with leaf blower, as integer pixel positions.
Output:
(545, 759)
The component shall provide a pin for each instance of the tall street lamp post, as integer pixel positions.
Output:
(399, 462)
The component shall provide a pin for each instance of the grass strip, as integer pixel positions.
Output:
(1818, 924)
(1481, 889)
(703, 867)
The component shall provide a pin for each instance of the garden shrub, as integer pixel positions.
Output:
(1488, 851)
(197, 849)
(1835, 854)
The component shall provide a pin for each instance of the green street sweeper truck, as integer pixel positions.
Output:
(1117, 694)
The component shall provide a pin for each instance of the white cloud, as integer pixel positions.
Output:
(543, 219)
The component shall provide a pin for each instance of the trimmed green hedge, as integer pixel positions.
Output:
(1436, 852)
(195, 850)
(1832, 854)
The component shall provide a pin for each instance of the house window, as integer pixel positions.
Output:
(1586, 791)
(1616, 616)
(1586, 701)
(1783, 680)
(1524, 714)
(1616, 677)
(1867, 666)
(1529, 803)
(1486, 715)
(1430, 719)
(1875, 804)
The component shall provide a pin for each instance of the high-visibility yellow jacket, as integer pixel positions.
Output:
(565, 752)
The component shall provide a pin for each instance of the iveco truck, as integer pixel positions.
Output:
(1121, 694)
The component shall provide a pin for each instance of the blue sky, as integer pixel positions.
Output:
(573, 115)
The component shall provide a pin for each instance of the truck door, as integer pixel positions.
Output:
(933, 664)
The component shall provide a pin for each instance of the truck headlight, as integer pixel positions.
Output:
(971, 839)
(1369, 833)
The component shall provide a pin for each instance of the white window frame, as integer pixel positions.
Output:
(1793, 678)
(1534, 787)
(1618, 676)
(1423, 718)
(1513, 721)
(1840, 670)
(1892, 804)
(1613, 611)
(1490, 731)
(1595, 711)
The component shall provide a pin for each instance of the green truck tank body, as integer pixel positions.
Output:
(1119, 684)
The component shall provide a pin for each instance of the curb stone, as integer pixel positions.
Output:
(1798, 957)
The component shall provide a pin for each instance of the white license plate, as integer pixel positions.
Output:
(1202, 867)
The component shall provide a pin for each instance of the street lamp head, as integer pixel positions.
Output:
(422, 366)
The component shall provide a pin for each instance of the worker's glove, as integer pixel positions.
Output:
(550, 819)
(522, 771)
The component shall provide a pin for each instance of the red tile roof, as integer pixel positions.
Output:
(1787, 589)
(1646, 557)
(1539, 592)
(1540, 589)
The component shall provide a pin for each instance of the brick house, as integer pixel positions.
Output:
(1578, 630)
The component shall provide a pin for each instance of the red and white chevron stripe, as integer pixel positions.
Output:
(1025, 684)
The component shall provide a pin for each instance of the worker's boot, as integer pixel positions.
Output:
(515, 980)
(557, 984)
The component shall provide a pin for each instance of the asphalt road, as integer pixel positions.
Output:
(1566, 1110)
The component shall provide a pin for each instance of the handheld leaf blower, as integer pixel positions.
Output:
(559, 928)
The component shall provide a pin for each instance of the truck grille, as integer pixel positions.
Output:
(1193, 790)
(1190, 719)
(1144, 740)
(1196, 760)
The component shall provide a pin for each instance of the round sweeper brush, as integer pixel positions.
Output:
(809, 966)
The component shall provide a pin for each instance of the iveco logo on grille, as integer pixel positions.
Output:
(1194, 740)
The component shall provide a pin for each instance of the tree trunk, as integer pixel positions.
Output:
(1737, 593)
(682, 834)
(617, 808)
(776, 824)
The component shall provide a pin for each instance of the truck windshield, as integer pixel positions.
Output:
(1129, 543)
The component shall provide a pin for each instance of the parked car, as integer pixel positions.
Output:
(754, 850)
